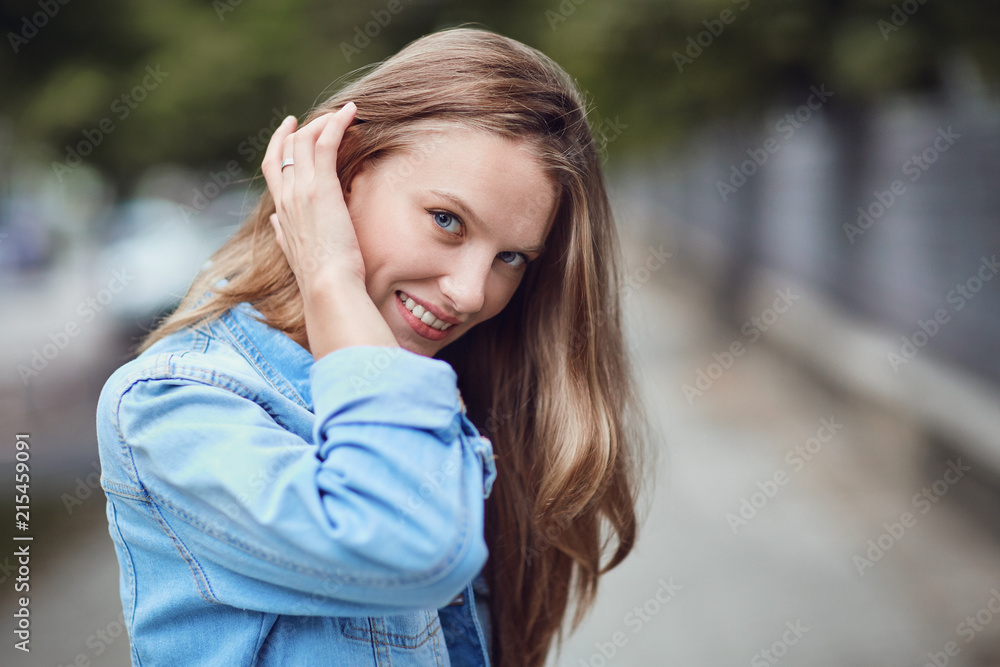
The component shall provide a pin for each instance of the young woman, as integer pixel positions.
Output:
(391, 417)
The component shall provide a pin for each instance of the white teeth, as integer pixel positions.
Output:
(425, 316)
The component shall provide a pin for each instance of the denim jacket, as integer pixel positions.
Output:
(270, 509)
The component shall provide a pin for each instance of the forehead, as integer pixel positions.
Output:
(502, 180)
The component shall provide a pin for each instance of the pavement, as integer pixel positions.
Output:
(791, 522)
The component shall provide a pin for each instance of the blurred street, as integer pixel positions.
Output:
(707, 586)
(716, 582)
(75, 609)
(807, 196)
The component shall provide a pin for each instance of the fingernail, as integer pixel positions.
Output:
(287, 120)
(350, 105)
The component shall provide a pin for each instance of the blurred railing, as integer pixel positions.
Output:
(883, 223)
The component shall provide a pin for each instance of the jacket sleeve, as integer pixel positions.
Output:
(380, 511)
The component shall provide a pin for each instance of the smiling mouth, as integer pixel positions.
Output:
(421, 314)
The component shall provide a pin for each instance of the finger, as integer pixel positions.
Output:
(288, 173)
(329, 141)
(303, 148)
(278, 235)
(271, 164)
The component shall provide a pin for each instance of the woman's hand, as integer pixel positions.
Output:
(314, 229)
(312, 223)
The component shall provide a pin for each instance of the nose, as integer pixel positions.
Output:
(464, 283)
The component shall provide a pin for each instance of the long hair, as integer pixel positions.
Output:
(548, 380)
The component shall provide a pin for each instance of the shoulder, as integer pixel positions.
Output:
(196, 354)
(193, 357)
(189, 393)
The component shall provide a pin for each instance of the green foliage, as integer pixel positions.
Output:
(653, 69)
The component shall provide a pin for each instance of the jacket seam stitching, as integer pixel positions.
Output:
(131, 568)
(180, 372)
(481, 637)
(132, 381)
(425, 634)
(261, 637)
(189, 558)
(292, 565)
(435, 646)
(175, 371)
(258, 360)
(123, 490)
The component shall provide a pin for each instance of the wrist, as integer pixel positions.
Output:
(339, 313)
(323, 283)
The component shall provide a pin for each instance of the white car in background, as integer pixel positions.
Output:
(162, 249)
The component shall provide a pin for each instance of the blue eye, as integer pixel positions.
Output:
(443, 220)
(446, 220)
(512, 257)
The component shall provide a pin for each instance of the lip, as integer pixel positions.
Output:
(424, 330)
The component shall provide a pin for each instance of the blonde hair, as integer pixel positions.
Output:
(548, 379)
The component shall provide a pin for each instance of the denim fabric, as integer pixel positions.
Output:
(269, 509)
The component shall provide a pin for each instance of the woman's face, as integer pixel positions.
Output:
(450, 225)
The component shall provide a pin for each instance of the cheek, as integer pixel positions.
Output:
(377, 230)
(394, 249)
(498, 295)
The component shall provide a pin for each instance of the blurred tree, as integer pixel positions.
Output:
(194, 82)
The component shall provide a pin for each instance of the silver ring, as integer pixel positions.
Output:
(286, 163)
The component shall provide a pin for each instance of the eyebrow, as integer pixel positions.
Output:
(467, 211)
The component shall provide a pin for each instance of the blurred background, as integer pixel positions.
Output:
(808, 198)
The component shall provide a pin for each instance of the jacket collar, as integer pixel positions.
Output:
(281, 360)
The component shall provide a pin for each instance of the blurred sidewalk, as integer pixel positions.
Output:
(756, 549)
(57, 341)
